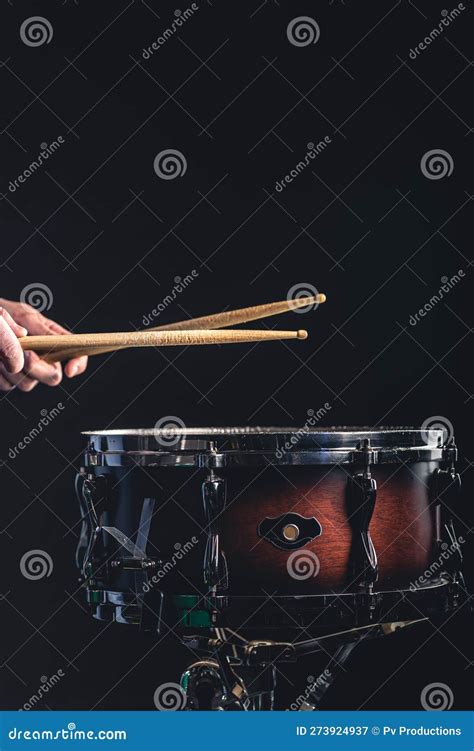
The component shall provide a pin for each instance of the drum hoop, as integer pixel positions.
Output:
(355, 433)
(221, 447)
(255, 458)
(117, 597)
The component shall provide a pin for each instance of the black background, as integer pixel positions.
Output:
(108, 237)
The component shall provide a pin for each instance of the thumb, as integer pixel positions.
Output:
(11, 353)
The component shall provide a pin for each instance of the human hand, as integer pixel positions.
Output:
(25, 370)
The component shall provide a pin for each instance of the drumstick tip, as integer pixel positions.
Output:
(312, 301)
(302, 334)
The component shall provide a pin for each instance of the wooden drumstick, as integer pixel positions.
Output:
(232, 317)
(56, 348)
(242, 315)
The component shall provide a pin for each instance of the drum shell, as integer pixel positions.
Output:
(176, 534)
(402, 528)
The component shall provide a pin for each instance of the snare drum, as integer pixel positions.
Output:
(198, 527)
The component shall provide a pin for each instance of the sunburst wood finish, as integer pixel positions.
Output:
(402, 527)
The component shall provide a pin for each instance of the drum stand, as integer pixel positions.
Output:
(241, 675)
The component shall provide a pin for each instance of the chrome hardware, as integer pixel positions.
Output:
(203, 686)
(362, 497)
(364, 454)
(446, 489)
(214, 499)
(214, 448)
(135, 564)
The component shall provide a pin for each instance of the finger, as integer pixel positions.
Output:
(39, 370)
(56, 328)
(51, 327)
(38, 324)
(11, 353)
(20, 380)
(15, 327)
(76, 366)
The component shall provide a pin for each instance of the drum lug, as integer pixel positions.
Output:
(362, 497)
(92, 457)
(94, 492)
(364, 454)
(91, 492)
(214, 496)
(446, 488)
(450, 453)
(214, 500)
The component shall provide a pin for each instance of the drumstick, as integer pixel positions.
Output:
(232, 317)
(55, 348)
(241, 315)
